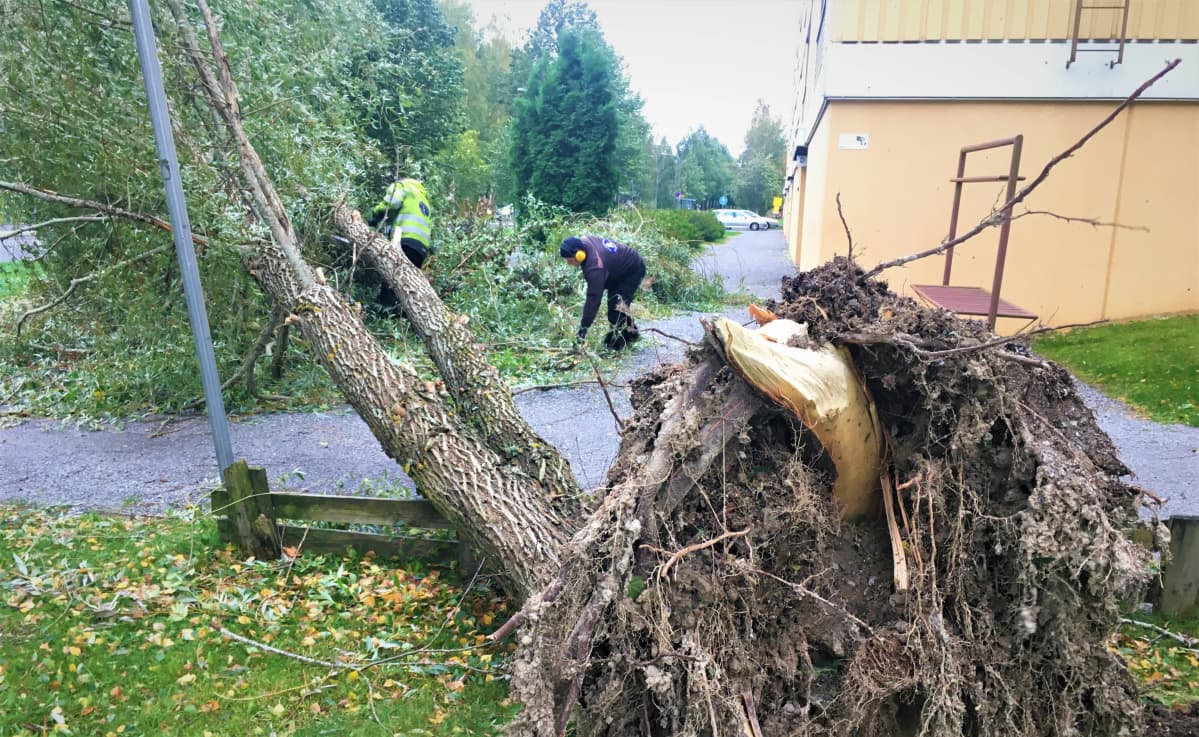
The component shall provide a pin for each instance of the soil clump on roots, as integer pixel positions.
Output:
(717, 591)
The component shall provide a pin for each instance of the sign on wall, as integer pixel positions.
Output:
(853, 141)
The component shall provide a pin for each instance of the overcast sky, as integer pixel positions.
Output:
(694, 62)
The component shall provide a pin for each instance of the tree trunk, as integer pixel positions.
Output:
(488, 500)
(478, 390)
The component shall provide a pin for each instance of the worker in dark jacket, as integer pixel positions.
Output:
(612, 267)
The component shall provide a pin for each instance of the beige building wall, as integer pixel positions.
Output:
(1141, 171)
(924, 20)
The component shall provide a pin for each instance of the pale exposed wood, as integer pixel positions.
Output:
(822, 389)
(899, 559)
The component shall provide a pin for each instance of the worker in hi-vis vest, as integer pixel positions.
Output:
(404, 214)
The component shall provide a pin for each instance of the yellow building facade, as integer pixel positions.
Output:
(889, 91)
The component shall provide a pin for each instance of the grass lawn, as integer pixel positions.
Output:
(1151, 364)
(113, 626)
(1166, 669)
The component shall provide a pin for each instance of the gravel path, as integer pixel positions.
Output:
(150, 467)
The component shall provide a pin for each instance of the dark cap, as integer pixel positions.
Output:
(570, 246)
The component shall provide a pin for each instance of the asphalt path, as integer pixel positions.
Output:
(150, 467)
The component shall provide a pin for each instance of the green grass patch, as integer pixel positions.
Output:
(1166, 669)
(113, 626)
(1151, 364)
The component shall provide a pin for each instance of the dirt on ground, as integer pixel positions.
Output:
(1163, 722)
(719, 591)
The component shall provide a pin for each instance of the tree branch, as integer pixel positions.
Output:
(83, 280)
(83, 204)
(55, 221)
(223, 97)
(995, 218)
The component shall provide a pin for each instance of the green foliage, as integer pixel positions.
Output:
(489, 93)
(688, 226)
(15, 277)
(705, 169)
(112, 625)
(121, 342)
(524, 303)
(409, 88)
(760, 168)
(1151, 364)
(529, 63)
(565, 128)
(120, 345)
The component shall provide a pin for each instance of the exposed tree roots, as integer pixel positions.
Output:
(717, 592)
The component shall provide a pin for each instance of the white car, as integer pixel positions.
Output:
(732, 219)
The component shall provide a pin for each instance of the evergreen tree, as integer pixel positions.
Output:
(558, 17)
(565, 128)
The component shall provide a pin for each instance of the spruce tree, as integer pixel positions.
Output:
(565, 130)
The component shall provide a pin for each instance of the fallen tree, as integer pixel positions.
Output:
(719, 591)
(731, 579)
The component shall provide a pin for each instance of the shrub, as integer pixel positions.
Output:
(688, 226)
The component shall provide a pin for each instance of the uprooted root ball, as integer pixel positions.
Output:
(717, 592)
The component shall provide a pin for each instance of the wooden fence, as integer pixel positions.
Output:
(262, 522)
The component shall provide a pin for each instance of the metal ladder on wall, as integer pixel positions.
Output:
(1080, 6)
(975, 300)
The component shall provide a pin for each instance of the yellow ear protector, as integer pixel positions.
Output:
(580, 256)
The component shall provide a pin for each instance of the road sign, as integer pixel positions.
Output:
(724, 200)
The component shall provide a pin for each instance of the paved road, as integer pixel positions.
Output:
(15, 247)
(149, 467)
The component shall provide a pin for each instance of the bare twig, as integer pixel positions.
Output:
(805, 591)
(564, 385)
(278, 651)
(246, 369)
(933, 355)
(747, 702)
(1093, 222)
(921, 346)
(84, 204)
(996, 218)
(668, 335)
(607, 396)
(848, 235)
(1190, 643)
